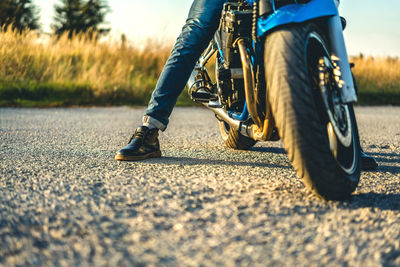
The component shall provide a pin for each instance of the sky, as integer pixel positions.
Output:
(373, 26)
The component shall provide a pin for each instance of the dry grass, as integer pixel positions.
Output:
(111, 71)
(378, 79)
(46, 71)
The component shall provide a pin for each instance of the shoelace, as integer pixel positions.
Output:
(139, 134)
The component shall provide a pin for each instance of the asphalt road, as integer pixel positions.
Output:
(64, 201)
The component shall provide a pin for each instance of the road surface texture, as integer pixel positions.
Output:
(64, 201)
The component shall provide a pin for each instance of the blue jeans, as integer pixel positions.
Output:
(200, 26)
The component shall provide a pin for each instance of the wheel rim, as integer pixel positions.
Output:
(335, 116)
(339, 115)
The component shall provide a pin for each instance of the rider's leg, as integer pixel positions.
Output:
(197, 32)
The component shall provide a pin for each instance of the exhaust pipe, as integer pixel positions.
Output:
(251, 131)
(249, 83)
(259, 130)
(223, 115)
(235, 124)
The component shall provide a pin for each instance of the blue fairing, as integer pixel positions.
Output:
(296, 13)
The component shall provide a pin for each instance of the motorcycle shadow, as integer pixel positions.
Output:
(388, 159)
(381, 201)
(387, 168)
(275, 150)
(187, 161)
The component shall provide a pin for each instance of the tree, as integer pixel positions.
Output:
(19, 14)
(80, 16)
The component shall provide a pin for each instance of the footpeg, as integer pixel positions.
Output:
(201, 96)
(200, 87)
(214, 104)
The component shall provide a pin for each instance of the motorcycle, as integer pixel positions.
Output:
(282, 72)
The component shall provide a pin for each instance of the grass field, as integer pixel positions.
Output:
(46, 71)
(378, 80)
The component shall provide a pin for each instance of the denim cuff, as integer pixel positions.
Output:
(156, 123)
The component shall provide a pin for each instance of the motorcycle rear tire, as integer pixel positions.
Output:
(297, 112)
(233, 139)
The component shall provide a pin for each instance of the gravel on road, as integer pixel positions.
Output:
(65, 201)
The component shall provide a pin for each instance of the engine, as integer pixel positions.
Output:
(236, 22)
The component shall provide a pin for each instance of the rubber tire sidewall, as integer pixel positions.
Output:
(234, 139)
(290, 95)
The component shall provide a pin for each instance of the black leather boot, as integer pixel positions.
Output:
(368, 163)
(142, 145)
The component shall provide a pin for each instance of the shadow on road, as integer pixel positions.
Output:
(199, 161)
(386, 168)
(382, 154)
(386, 157)
(389, 158)
(381, 201)
(275, 150)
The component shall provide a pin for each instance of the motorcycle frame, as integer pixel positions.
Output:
(313, 10)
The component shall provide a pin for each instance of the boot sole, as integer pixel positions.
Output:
(156, 154)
